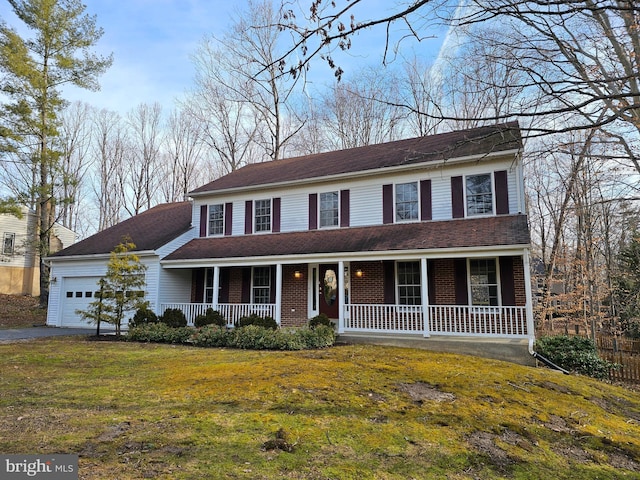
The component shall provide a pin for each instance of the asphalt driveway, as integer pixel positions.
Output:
(12, 334)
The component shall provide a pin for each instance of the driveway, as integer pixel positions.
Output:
(13, 334)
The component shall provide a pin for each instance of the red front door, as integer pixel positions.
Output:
(328, 288)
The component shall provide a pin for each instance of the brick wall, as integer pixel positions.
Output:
(445, 287)
(369, 288)
(235, 285)
(518, 278)
(294, 295)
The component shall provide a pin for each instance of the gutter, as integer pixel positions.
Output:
(545, 360)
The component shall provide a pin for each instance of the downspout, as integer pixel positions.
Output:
(529, 313)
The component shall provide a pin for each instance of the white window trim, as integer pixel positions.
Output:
(498, 281)
(397, 282)
(209, 234)
(395, 213)
(255, 229)
(253, 286)
(13, 243)
(493, 196)
(328, 227)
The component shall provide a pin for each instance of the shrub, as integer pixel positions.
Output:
(160, 333)
(254, 337)
(211, 317)
(576, 354)
(143, 316)
(321, 319)
(255, 319)
(210, 336)
(173, 317)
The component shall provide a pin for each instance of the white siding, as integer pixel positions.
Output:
(175, 286)
(366, 205)
(294, 212)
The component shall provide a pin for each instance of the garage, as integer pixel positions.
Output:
(77, 294)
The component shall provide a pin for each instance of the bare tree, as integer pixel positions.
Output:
(421, 91)
(145, 122)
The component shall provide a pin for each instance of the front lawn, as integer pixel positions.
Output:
(134, 411)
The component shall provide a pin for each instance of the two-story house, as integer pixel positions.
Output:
(421, 238)
(19, 260)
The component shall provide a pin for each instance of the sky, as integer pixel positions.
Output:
(152, 42)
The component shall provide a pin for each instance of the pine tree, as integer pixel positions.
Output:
(121, 289)
(34, 70)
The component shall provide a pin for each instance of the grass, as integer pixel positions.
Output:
(133, 411)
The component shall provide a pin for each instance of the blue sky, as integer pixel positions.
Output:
(152, 41)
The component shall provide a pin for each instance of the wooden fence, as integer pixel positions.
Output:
(624, 352)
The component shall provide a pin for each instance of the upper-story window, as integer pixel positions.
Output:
(479, 195)
(216, 219)
(409, 291)
(9, 244)
(483, 280)
(329, 204)
(407, 201)
(262, 215)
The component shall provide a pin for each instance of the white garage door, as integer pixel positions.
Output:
(77, 294)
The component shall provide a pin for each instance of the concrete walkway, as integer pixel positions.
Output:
(14, 334)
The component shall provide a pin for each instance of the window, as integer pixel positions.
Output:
(9, 244)
(409, 292)
(483, 279)
(479, 196)
(406, 201)
(216, 219)
(261, 290)
(263, 215)
(329, 209)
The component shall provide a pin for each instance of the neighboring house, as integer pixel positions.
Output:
(19, 261)
(419, 239)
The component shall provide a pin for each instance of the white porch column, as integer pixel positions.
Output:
(424, 293)
(278, 292)
(341, 296)
(216, 287)
(529, 299)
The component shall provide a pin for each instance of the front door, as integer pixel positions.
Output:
(328, 290)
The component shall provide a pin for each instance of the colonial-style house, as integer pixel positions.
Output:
(19, 260)
(423, 240)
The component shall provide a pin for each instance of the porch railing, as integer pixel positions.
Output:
(383, 318)
(460, 320)
(232, 312)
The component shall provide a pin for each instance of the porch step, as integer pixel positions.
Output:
(507, 349)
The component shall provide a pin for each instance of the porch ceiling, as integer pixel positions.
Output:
(507, 230)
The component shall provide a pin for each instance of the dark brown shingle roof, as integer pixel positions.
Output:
(461, 143)
(464, 233)
(149, 230)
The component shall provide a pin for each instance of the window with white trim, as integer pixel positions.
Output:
(479, 194)
(208, 285)
(329, 208)
(262, 215)
(409, 291)
(483, 281)
(9, 244)
(216, 219)
(407, 204)
(261, 285)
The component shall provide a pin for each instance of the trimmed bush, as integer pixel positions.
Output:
(255, 319)
(173, 317)
(210, 336)
(321, 319)
(143, 316)
(159, 333)
(211, 317)
(576, 354)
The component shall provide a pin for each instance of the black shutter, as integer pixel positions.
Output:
(203, 220)
(228, 218)
(507, 281)
(246, 285)
(387, 204)
(344, 208)
(313, 211)
(389, 282)
(248, 217)
(275, 215)
(425, 200)
(460, 273)
(502, 192)
(457, 197)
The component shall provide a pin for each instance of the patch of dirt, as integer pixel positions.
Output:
(21, 311)
(421, 392)
(485, 443)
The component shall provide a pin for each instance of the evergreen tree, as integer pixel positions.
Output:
(628, 287)
(121, 289)
(34, 70)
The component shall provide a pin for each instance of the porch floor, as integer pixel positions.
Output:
(507, 349)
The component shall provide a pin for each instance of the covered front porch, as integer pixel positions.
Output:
(417, 297)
